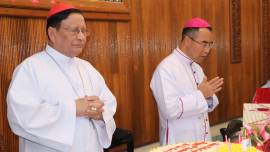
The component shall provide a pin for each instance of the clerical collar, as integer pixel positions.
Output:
(183, 56)
(58, 56)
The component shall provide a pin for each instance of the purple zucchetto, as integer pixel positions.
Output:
(197, 23)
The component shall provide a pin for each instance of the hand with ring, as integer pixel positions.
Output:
(93, 108)
(89, 106)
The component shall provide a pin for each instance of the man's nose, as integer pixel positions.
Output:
(81, 35)
(207, 50)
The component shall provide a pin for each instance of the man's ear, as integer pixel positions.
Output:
(52, 34)
(186, 40)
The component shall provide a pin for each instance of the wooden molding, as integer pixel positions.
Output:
(92, 9)
(265, 39)
(236, 55)
(3, 144)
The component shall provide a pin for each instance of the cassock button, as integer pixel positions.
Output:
(194, 72)
(206, 133)
(206, 119)
(197, 83)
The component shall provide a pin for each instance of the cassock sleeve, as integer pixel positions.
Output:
(172, 100)
(106, 128)
(213, 102)
(45, 121)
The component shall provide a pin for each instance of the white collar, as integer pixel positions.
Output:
(58, 56)
(182, 56)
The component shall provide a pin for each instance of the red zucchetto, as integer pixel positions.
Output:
(197, 23)
(59, 8)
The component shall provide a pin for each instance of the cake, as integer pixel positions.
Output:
(204, 147)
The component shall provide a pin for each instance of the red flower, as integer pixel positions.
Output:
(266, 146)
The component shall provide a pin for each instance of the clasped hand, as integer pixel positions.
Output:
(209, 88)
(89, 106)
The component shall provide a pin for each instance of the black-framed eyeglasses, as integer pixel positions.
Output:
(76, 31)
(204, 44)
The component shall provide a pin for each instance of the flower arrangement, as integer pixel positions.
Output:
(256, 122)
(259, 135)
(232, 147)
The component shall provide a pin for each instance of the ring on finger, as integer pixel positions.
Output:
(93, 108)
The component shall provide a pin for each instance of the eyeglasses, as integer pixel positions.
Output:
(76, 31)
(204, 44)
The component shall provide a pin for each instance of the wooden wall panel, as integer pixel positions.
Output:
(126, 52)
(93, 9)
(20, 37)
(265, 39)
